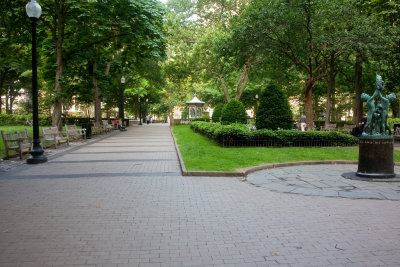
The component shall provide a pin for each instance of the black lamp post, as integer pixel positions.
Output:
(140, 112)
(121, 114)
(255, 108)
(34, 11)
(147, 111)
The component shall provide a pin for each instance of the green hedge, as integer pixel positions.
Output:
(239, 135)
(16, 120)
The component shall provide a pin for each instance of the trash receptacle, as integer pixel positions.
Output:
(88, 128)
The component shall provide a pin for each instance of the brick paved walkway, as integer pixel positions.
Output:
(324, 180)
(122, 202)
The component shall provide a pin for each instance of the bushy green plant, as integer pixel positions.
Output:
(16, 120)
(206, 116)
(236, 132)
(393, 121)
(273, 111)
(233, 112)
(216, 116)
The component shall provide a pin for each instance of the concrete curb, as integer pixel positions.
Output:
(249, 170)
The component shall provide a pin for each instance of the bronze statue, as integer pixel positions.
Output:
(377, 111)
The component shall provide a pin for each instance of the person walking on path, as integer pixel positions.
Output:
(303, 124)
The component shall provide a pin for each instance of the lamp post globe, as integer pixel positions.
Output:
(33, 10)
(122, 115)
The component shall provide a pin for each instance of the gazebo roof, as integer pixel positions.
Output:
(195, 100)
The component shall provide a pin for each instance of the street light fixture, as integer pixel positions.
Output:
(255, 108)
(34, 11)
(140, 112)
(121, 114)
(147, 119)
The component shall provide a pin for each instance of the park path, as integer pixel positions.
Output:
(121, 201)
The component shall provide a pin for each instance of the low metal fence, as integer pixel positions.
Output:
(278, 143)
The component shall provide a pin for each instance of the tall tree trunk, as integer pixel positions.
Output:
(331, 80)
(308, 103)
(358, 89)
(2, 79)
(242, 82)
(7, 98)
(315, 106)
(333, 110)
(11, 104)
(96, 94)
(224, 88)
(59, 40)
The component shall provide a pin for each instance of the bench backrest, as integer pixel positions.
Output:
(10, 138)
(70, 127)
(348, 126)
(50, 131)
(330, 126)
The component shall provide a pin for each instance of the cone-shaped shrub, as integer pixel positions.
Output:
(216, 116)
(233, 112)
(273, 110)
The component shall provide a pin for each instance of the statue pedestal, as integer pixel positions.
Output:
(376, 158)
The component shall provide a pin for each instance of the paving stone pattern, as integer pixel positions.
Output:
(101, 216)
(324, 180)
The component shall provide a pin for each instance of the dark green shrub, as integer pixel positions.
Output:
(216, 116)
(273, 111)
(235, 132)
(233, 112)
(206, 116)
(15, 119)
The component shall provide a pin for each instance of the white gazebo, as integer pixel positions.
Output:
(195, 108)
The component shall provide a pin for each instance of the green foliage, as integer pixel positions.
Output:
(201, 154)
(393, 121)
(216, 116)
(233, 112)
(273, 111)
(231, 133)
(16, 120)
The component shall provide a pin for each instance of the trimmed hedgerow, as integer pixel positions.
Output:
(15, 119)
(224, 134)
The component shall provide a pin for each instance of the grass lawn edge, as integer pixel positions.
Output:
(243, 172)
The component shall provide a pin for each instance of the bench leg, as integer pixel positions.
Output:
(20, 151)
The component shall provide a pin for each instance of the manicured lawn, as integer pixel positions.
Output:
(13, 129)
(201, 154)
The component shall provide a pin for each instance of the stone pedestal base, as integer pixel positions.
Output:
(376, 158)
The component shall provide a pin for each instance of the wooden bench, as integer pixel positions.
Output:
(74, 133)
(51, 134)
(107, 127)
(97, 129)
(329, 127)
(347, 128)
(17, 141)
